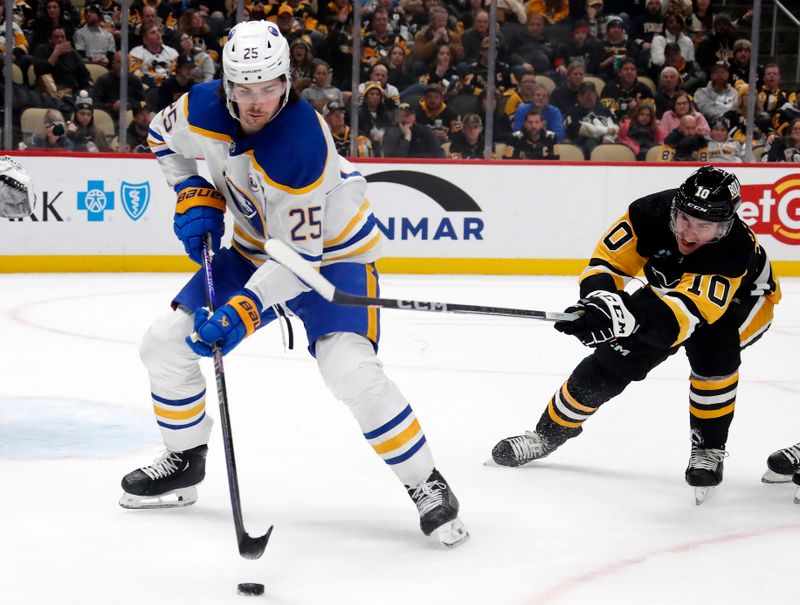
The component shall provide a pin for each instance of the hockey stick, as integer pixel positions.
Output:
(249, 547)
(303, 270)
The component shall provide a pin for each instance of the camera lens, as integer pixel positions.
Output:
(58, 129)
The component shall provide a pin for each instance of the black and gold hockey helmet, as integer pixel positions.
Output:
(710, 194)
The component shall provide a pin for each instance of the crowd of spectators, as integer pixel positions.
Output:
(665, 78)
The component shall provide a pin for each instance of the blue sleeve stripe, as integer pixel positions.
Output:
(366, 229)
(311, 259)
(176, 427)
(187, 401)
(410, 452)
(349, 174)
(155, 135)
(389, 425)
(161, 154)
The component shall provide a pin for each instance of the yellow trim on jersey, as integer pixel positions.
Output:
(353, 222)
(619, 281)
(625, 258)
(759, 321)
(712, 385)
(398, 440)
(286, 188)
(684, 322)
(368, 246)
(574, 402)
(372, 312)
(180, 415)
(206, 133)
(558, 420)
(238, 247)
(258, 243)
(707, 414)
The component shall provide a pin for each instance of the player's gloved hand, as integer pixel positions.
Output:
(604, 316)
(228, 326)
(200, 210)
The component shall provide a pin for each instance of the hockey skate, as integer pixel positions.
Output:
(167, 483)
(704, 472)
(515, 451)
(438, 510)
(796, 481)
(781, 465)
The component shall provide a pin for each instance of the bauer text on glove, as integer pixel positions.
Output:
(228, 326)
(200, 210)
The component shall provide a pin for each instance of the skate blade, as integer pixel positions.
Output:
(452, 533)
(175, 499)
(701, 493)
(773, 477)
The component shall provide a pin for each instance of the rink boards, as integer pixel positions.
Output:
(114, 213)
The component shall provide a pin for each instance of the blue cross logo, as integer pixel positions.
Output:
(95, 201)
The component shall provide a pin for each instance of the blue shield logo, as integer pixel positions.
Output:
(135, 198)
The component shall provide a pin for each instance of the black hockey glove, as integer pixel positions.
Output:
(604, 316)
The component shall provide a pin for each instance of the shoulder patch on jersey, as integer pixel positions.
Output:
(207, 113)
(292, 151)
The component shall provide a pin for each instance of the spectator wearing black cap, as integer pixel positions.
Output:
(718, 96)
(625, 92)
(691, 76)
(136, 134)
(589, 124)
(106, 89)
(407, 139)
(83, 133)
(721, 147)
(434, 113)
(614, 48)
(718, 46)
(335, 115)
(175, 86)
(475, 78)
(469, 143)
(534, 141)
(95, 44)
(581, 47)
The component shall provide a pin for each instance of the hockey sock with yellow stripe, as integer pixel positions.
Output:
(711, 405)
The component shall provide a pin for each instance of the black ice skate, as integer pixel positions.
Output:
(515, 451)
(781, 465)
(796, 481)
(704, 472)
(167, 483)
(438, 510)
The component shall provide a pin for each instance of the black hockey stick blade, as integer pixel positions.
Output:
(303, 270)
(253, 548)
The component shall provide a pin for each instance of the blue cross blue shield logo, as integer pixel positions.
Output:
(95, 201)
(135, 198)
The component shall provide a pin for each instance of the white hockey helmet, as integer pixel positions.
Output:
(256, 51)
(17, 198)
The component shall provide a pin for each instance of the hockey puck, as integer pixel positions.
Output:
(250, 589)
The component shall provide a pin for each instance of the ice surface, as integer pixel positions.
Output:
(606, 519)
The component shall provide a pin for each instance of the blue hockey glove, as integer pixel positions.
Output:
(228, 326)
(604, 317)
(200, 210)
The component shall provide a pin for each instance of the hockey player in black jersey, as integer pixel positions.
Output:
(709, 289)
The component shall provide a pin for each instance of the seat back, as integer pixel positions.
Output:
(612, 153)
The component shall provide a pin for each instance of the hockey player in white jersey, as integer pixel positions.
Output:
(275, 168)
